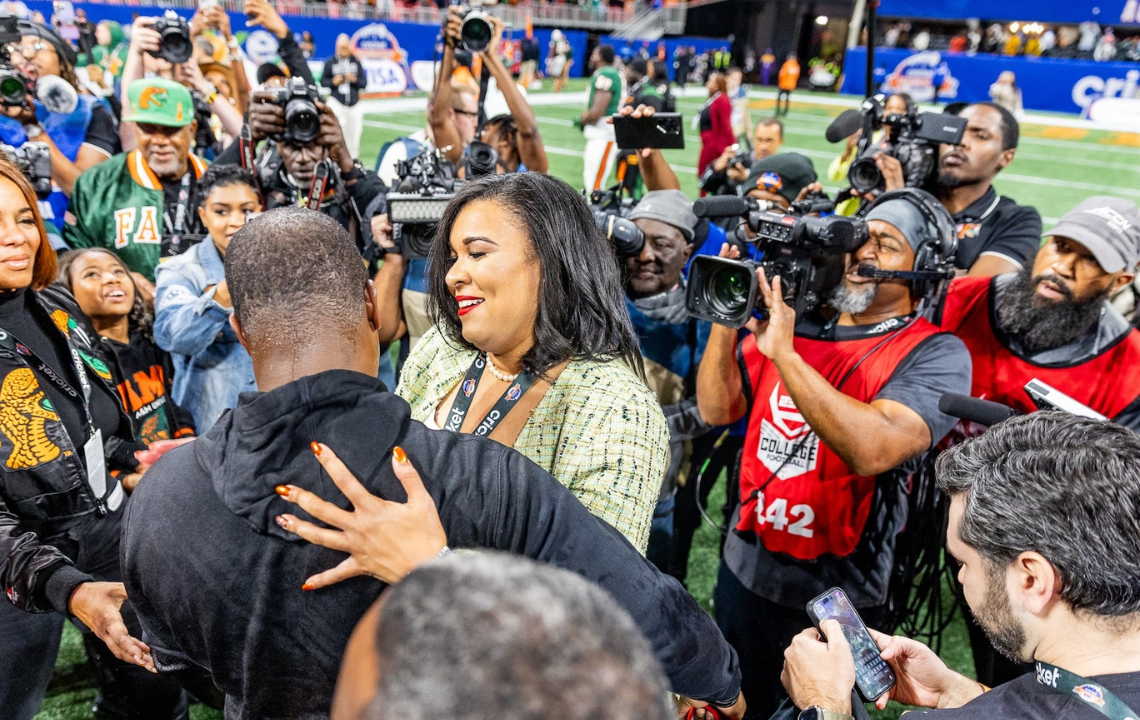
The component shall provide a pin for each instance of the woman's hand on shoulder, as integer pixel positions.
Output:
(383, 539)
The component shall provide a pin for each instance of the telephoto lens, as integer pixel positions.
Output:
(722, 291)
(302, 122)
(13, 87)
(174, 45)
(476, 31)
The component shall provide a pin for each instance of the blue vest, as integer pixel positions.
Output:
(67, 132)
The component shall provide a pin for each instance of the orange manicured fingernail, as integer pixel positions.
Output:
(315, 447)
(308, 586)
(282, 490)
(399, 454)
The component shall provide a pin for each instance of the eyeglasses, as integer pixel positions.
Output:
(28, 50)
(468, 113)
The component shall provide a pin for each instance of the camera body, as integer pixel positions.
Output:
(913, 139)
(427, 184)
(302, 119)
(175, 45)
(13, 83)
(807, 253)
(611, 213)
(476, 31)
(33, 159)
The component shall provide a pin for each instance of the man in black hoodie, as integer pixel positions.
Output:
(217, 584)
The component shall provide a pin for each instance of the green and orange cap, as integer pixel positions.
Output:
(159, 102)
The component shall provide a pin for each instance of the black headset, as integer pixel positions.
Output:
(934, 258)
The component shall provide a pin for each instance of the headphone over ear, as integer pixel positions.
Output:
(934, 257)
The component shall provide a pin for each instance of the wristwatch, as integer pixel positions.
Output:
(815, 712)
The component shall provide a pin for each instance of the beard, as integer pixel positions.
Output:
(1040, 324)
(996, 618)
(853, 300)
(949, 182)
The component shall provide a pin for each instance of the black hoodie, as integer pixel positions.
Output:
(217, 585)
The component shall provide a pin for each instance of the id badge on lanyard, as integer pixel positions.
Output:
(95, 458)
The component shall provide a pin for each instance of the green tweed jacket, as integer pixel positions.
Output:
(598, 430)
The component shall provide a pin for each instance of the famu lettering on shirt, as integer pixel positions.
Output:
(144, 398)
(145, 231)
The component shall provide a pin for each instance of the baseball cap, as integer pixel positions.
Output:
(784, 174)
(1108, 226)
(159, 102)
(269, 70)
(671, 207)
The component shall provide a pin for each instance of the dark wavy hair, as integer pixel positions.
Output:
(581, 302)
(139, 318)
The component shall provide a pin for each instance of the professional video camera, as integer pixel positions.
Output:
(33, 159)
(302, 119)
(175, 45)
(13, 83)
(475, 32)
(427, 183)
(611, 213)
(806, 251)
(912, 138)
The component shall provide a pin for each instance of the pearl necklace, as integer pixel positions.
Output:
(499, 374)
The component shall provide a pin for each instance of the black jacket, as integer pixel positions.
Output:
(38, 503)
(234, 614)
(344, 66)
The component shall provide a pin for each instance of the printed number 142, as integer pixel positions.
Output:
(777, 514)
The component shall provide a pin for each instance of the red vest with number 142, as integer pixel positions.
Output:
(816, 505)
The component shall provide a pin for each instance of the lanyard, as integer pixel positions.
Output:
(177, 225)
(12, 344)
(1095, 695)
(467, 391)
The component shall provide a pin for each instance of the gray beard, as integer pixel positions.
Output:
(846, 300)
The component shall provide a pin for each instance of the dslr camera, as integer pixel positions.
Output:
(805, 250)
(427, 184)
(13, 83)
(302, 119)
(33, 159)
(476, 31)
(913, 139)
(611, 213)
(175, 46)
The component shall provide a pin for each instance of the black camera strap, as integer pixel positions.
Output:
(1095, 695)
(467, 389)
(246, 153)
(176, 225)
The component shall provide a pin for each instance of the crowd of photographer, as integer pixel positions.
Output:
(547, 371)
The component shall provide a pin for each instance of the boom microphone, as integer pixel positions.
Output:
(56, 95)
(847, 124)
(720, 206)
(972, 409)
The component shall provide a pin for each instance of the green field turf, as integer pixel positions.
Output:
(1056, 167)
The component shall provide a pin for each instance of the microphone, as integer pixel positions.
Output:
(972, 409)
(720, 206)
(844, 126)
(56, 95)
(873, 272)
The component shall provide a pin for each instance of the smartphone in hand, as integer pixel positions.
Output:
(660, 130)
(873, 676)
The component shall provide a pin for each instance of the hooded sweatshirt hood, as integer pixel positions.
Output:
(264, 442)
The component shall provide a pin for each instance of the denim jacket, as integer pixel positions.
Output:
(210, 366)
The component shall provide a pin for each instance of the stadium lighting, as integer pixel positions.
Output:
(821, 20)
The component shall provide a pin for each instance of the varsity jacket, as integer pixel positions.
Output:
(118, 205)
(45, 480)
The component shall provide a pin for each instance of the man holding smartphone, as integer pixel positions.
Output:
(1045, 525)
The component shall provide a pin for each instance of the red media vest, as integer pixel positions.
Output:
(797, 495)
(1108, 383)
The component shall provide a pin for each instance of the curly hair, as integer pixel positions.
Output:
(139, 319)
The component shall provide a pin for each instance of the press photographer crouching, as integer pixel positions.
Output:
(303, 158)
(43, 112)
(1043, 521)
(842, 404)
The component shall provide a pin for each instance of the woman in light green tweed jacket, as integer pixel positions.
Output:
(534, 348)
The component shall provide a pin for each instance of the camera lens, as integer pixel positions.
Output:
(475, 32)
(176, 47)
(12, 89)
(728, 290)
(864, 175)
(302, 124)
